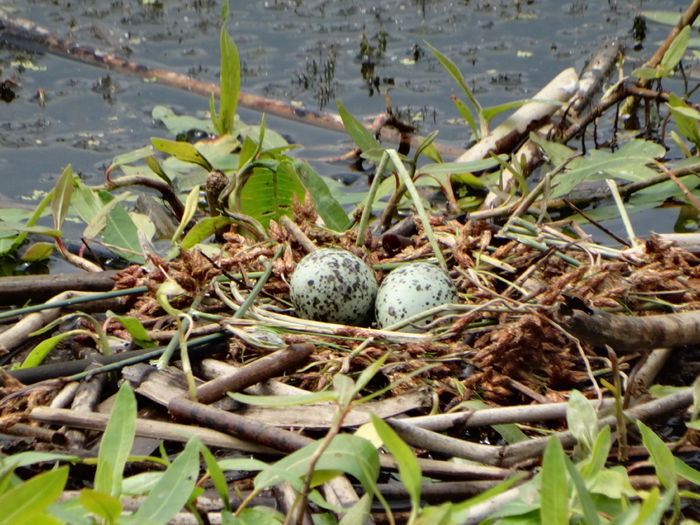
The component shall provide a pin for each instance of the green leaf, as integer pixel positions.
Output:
(666, 17)
(174, 488)
(183, 151)
(136, 330)
(468, 116)
(358, 133)
(177, 124)
(121, 234)
(589, 510)
(653, 507)
(649, 73)
(116, 443)
(21, 504)
(676, 50)
(347, 453)
(203, 230)
(327, 206)
(40, 351)
(489, 113)
(258, 516)
(359, 512)
(582, 420)
(628, 163)
(409, 470)
(156, 168)
(685, 118)
(284, 401)
(131, 156)
(454, 168)
(230, 82)
(686, 471)
(598, 454)
(554, 493)
(660, 456)
(61, 197)
(456, 74)
(613, 483)
(216, 475)
(101, 504)
(190, 209)
(270, 193)
(38, 251)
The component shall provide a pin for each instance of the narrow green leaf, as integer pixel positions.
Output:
(103, 505)
(40, 351)
(456, 74)
(183, 151)
(327, 206)
(649, 73)
(230, 82)
(409, 470)
(660, 456)
(203, 230)
(453, 168)
(489, 113)
(590, 512)
(554, 492)
(468, 117)
(61, 197)
(174, 488)
(137, 331)
(676, 50)
(216, 475)
(686, 471)
(358, 133)
(653, 507)
(284, 401)
(156, 168)
(595, 462)
(116, 442)
(131, 156)
(190, 209)
(424, 144)
(22, 503)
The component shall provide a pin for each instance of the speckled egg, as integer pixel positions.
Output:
(333, 286)
(410, 290)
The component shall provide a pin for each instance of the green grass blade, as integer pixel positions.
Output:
(554, 492)
(174, 489)
(358, 133)
(660, 456)
(116, 443)
(456, 74)
(589, 510)
(409, 470)
(61, 197)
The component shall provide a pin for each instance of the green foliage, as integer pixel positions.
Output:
(229, 81)
(116, 443)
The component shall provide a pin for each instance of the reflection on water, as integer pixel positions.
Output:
(302, 52)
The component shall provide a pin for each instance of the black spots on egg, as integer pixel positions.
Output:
(410, 290)
(333, 286)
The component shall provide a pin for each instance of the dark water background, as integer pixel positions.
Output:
(305, 51)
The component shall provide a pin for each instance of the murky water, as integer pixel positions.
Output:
(306, 52)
